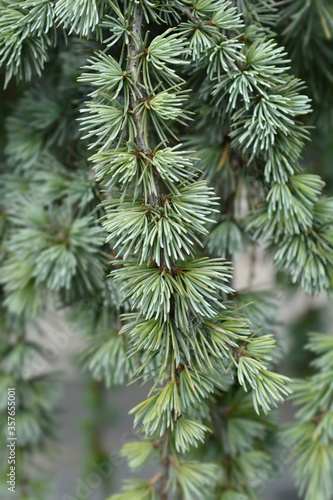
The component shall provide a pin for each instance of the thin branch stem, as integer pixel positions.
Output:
(187, 12)
(142, 141)
(165, 463)
(135, 48)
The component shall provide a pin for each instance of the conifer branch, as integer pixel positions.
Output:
(142, 141)
(135, 48)
(187, 11)
(208, 358)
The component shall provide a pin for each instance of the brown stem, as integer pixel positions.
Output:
(156, 479)
(142, 142)
(135, 48)
(165, 471)
(188, 13)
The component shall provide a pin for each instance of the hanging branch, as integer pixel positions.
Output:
(135, 48)
(183, 335)
(181, 331)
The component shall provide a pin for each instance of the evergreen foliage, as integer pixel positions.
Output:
(133, 148)
(311, 434)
